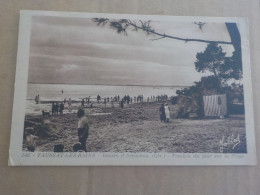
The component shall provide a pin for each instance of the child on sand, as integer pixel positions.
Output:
(77, 147)
(30, 139)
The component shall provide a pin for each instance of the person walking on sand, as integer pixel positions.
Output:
(162, 113)
(167, 112)
(82, 128)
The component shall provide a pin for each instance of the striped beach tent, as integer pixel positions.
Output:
(215, 105)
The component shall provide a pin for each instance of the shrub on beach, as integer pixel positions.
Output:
(190, 100)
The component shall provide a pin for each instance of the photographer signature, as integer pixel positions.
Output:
(231, 140)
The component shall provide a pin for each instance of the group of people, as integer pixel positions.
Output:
(57, 108)
(164, 113)
(128, 99)
(161, 98)
(111, 99)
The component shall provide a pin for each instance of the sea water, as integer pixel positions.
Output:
(59, 92)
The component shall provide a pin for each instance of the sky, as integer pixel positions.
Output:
(78, 51)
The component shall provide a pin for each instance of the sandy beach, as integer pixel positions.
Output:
(137, 128)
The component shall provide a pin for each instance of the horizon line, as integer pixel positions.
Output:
(113, 85)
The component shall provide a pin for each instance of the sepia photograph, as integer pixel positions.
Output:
(118, 84)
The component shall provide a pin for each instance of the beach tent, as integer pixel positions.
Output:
(215, 105)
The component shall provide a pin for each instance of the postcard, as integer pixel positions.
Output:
(96, 89)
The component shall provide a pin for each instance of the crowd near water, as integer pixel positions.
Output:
(57, 107)
(58, 92)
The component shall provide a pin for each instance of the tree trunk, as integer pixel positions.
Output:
(234, 36)
(236, 42)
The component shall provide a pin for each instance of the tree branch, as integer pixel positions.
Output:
(157, 38)
(178, 38)
(123, 24)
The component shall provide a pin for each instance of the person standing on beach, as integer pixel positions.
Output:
(82, 128)
(61, 108)
(69, 105)
(56, 108)
(98, 98)
(122, 104)
(112, 103)
(37, 99)
(105, 101)
(52, 108)
(167, 112)
(82, 102)
(162, 113)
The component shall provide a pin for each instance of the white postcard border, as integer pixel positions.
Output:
(18, 157)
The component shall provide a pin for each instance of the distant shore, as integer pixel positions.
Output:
(137, 128)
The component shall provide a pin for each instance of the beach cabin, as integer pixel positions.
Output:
(215, 105)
